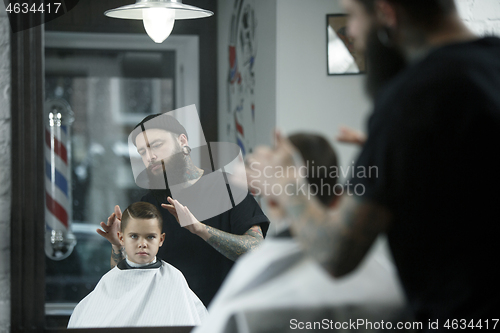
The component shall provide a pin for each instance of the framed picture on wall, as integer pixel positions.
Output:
(341, 57)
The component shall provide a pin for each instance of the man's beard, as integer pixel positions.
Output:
(383, 63)
(173, 174)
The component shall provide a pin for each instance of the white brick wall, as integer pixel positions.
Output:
(5, 170)
(481, 16)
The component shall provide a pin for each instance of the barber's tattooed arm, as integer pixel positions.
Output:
(338, 240)
(232, 246)
(116, 256)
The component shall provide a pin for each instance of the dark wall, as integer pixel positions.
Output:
(88, 16)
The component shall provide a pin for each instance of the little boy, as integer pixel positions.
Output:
(140, 290)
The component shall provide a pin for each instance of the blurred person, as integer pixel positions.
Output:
(203, 252)
(280, 280)
(431, 138)
(141, 290)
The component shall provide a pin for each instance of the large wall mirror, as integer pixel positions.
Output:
(110, 75)
(108, 84)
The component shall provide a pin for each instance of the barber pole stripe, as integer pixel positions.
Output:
(56, 193)
(56, 216)
(56, 145)
(57, 210)
(241, 145)
(239, 128)
(240, 135)
(52, 222)
(54, 176)
(54, 163)
(57, 175)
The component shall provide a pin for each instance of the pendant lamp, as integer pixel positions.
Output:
(158, 16)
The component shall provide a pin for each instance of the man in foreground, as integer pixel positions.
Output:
(434, 127)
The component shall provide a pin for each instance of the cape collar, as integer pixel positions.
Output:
(125, 265)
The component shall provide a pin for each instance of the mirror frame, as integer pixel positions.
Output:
(328, 17)
(27, 262)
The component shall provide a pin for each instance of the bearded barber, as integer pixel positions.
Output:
(203, 252)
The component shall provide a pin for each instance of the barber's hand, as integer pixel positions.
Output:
(349, 135)
(274, 173)
(110, 230)
(185, 218)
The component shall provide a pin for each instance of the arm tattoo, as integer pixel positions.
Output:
(232, 246)
(359, 226)
(116, 257)
(337, 240)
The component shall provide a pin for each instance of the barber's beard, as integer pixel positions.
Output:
(383, 63)
(174, 173)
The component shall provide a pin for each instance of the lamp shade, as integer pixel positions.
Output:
(180, 10)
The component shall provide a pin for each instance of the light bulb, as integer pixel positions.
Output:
(158, 23)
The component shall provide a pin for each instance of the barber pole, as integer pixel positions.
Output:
(59, 240)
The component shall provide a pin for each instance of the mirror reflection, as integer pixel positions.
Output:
(125, 145)
(108, 91)
(341, 55)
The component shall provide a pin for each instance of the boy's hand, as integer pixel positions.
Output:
(111, 229)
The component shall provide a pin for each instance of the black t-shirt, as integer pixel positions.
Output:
(434, 137)
(204, 267)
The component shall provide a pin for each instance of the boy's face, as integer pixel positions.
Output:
(141, 239)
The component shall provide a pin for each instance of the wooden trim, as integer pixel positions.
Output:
(27, 215)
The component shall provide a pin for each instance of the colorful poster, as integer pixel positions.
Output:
(241, 78)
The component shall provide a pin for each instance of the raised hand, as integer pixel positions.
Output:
(349, 135)
(112, 227)
(171, 208)
(185, 218)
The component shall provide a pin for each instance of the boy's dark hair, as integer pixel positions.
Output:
(321, 156)
(141, 210)
(423, 13)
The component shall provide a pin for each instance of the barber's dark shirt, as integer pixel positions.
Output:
(434, 137)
